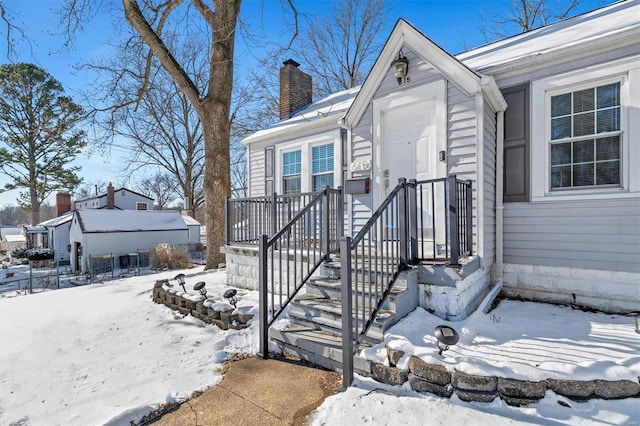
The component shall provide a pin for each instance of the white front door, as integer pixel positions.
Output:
(408, 144)
(410, 150)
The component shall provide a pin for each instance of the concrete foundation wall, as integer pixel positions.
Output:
(607, 291)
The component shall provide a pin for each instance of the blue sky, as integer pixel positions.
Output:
(453, 24)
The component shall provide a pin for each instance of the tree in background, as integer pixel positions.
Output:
(340, 48)
(163, 124)
(155, 23)
(523, 16)
(13, 216)
(162, 187)
(89, 189)
(337, 50)
(38, 135)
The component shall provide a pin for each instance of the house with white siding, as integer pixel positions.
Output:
(12, 239)
(521, 166)
(119, 199)
(57, 237)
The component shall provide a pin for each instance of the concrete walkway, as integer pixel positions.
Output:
(253, 392)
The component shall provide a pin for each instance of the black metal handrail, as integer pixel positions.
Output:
(393, 238)
(292, 255)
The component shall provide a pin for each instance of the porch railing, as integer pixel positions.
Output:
(397, 234)
(291, 256)
(247, 219)
(441, 221)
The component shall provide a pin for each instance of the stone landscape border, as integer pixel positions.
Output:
(206, 309)
(434, 378)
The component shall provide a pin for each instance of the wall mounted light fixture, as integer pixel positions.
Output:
(400, 67)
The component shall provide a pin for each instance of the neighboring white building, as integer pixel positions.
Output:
(106, 232)
(545, 126)
(57, 231)
(12, 239)
(194, 229)
(119, 199)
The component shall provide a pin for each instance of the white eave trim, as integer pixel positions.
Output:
(293, 129)
(587, 46)
(405, 34)
(492, 93)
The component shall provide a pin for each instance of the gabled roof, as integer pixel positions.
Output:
(57, 221)
(614, 24)
(98, 221)
(104, 194)
(405, 34)
(588, 31)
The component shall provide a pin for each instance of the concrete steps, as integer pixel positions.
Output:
(316, 317)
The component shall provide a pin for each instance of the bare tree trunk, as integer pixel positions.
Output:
(213, 109)
(216, 127)
(217, 181)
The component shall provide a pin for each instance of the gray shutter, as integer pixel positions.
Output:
(268, 170)
(516, 143)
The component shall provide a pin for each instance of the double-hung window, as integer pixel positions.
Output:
(322, 166)
(585, 145)
(291, 172)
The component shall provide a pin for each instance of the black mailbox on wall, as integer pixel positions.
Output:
(357, 186)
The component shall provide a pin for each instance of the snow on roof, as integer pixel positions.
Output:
(190, 221)
(15, 238)
(332, 105)
(10, 230)
(34, 229)
(104, 194)
(94, 220)
(56, 221)
(583, 29)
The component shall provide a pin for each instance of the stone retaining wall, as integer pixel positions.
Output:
(433, 378)
(206, 309)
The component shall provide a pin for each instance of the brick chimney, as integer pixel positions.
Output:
(295, 89)
(63, 203)
(111, 202)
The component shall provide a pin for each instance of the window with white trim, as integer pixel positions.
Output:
(291, 172)
(141, 206)
(321, 166)
(586, 137)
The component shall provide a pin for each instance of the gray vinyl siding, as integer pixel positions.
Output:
(361, 149)
(598, 234)
(421, 73)
(489, 184)
(461, 134)
(593, 234)
(462, 156)
(256, 170)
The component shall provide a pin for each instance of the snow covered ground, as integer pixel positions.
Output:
(106, 354)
